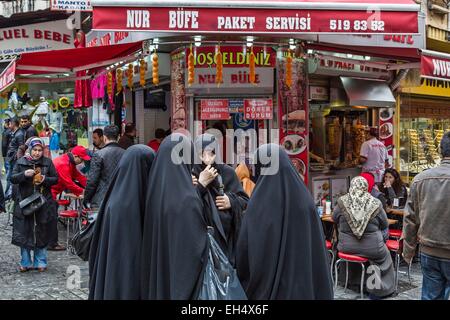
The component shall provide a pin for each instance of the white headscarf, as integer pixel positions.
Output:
(360, 205)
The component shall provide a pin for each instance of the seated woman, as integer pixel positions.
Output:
(393, 188)
(360, 218)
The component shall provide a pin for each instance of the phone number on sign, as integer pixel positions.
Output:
(356, 25)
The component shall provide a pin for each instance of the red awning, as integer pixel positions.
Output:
(72, 60)
(282, 17)
(435, 65)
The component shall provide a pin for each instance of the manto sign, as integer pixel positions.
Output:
(245, 20)
(436, 67)
(71, 5)
(34, 37)
(7, 76)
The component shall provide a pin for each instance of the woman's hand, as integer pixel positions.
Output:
(207, 176)
(39, 181)
(223, 202)
(29, 173)
(194, 180)
(387, 184)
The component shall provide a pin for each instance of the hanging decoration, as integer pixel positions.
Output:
(142, 72)
(64, 102)
(109, 84)
(251, 64)
(119, 77)
(219, 66)
(130, 76)
(289, 69)
(155, 69)
(191, 73)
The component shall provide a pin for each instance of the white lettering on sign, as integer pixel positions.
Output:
(289, 23)
(235, 23)
(138, 19)
(441, 68)
(183, 19)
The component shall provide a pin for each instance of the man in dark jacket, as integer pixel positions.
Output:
(127, 140)
(6, 138)
(17, 140)
(103, 165)
(28, 130)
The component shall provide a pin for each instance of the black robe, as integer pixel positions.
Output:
(114, 257)
(281, 250)
(175, 232)
(226, 223)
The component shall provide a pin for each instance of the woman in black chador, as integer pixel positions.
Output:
(175, 232)
(281, 252)
(224, 199)
(114, 259)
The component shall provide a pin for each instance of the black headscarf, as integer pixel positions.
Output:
(175, 232)
(226, 223)
(116, 244)
(281, 247)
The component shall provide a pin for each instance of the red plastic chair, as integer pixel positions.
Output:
(395, 233)
(395, 246)
(350, 258)
(71, 216)
(329, 247)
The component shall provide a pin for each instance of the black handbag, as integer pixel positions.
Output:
(32, 203)
(81, 241)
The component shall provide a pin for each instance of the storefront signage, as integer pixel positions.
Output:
(7, 77)
(258, 109)
(436, 67)
(236, 105)
(34, 37)
(214, 109)
(71, 5)
(329, 66)
(318, 93)
(386, 131)
(232, 56)
(254, 20)
(101, 38)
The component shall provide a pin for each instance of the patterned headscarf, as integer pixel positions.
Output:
(359, 205)
(31, 143)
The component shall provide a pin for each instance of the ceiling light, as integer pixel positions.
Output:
(367, 58)
(250, 41)
(349, 55)
(198, 41)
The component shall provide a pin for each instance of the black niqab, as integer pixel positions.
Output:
(175, 232)
(114, 259)
(281, 250)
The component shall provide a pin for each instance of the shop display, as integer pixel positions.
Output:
(179, 114)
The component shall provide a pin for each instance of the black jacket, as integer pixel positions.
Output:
(6, 138)
(103, 164)
(32, 231)
(126, 141)
(29, 132)
(17, 139)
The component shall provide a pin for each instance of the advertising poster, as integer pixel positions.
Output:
(387, 131)
(293, 113)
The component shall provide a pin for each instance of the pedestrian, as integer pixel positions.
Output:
(427, 222)
(281, 250)
(243, 174)
(160, 134)
(393, 189)
(103, 164)
(28, 129)
(360, 219)
(127, 139)
(119, 226)
(174, 239)
(373, 155)
(33, 172)
(224, 199)
(6, 138)
(17, 140)
(97, 139)
(70, 180)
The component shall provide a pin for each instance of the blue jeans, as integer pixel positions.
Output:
(9, 166)
(40, 258)
(436, 278)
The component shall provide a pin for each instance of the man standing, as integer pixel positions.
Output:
(127, 140)
(17, 140)
(28, 130)
(427, 223)
(97, 139)
(160, 134)
(103, 165)
(66, 166)
(374, 156)
(6, 138)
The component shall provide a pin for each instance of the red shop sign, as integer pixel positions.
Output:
(436, 67)
(214, 109)
(7, 77)
(258, 109)
(254, 20)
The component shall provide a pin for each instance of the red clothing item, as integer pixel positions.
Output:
(67, 172)
(370, 180)
(154, 144)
